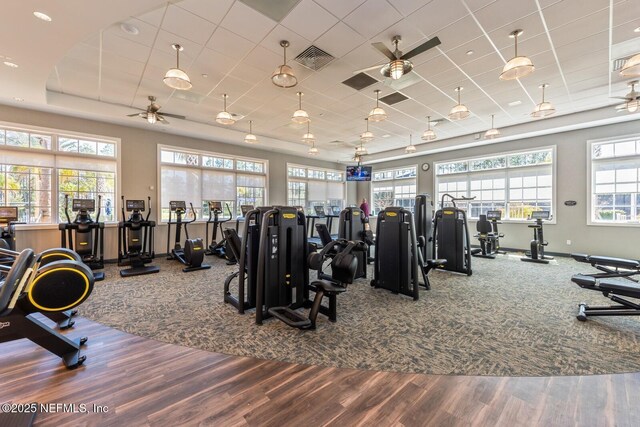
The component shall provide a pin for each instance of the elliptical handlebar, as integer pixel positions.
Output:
(148, 208)
(454, 199)
(193, 211)
(66, 208)
(99, 208)
(124, 217)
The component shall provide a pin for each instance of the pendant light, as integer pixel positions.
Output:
(366, 136)
(518, 66)
(545, 108)
(300, 116)
(152, 118)
(308, 137)
(377, 114)
(175, 77)
(224, 117)
(361, 150)
(493, 132)
(283, 75)
(250, 138)
(460, 111)
(429, 134)
(410, 148)
(631, 68)
(313, 151)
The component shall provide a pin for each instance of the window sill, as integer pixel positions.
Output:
(613, 224)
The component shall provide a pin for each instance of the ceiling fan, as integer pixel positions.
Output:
(399, 64)
(632, 99)
(152, 114)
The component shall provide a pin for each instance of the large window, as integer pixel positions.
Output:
(394, 187)
(514, 183)
(309, 186)
(198, 177)
(39, 166)
(615, 178)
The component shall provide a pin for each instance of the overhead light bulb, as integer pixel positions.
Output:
(366, 136)
(361, 150)
(632, 106)
(300, 116)
(429, 134)
(518, 66)
(224, 117)
(10, 64)
(250, 138)
(283, 75)
(460, 111)
(493, 132)
(308, 137)
(544, 109)
(313, 151)
(377, 114)
(631, 68)
(42, 16)
(175, 77)
(152, 118)
(410, 148)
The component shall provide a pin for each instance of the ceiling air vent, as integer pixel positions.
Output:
(360, 81)
(617, 64)
(314, 58)
(393, 98)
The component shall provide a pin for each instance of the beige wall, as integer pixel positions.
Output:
(572, 184)
(139, 168)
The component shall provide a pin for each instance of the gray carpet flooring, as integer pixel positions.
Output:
(509, 318)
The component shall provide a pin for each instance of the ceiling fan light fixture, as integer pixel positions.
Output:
(545, 108)
(429, 134)
(518, 66)
(224, 117)
(396, 69)
(633, 106)
(175, 78)
(631, 68)
(152, 118)
(283, 76)
(377, 114)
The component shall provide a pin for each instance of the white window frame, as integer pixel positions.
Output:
(391, 182)
(54, 152)
(554, 189)
(590, 179)
(200, 153)
(306, 180)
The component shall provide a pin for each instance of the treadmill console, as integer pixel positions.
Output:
(335, 210)
(88, 205)
(497, 215)
(8, 214)
(541, 215)
(319, 211)
(175, 205)
(215, 206)
(245, 209)
(135, 205)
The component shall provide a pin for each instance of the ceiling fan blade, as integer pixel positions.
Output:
(621, 97)
(135, 114)
(384, 50)
(175, 116)
(364, 70)
(162, 119)
(429, 44)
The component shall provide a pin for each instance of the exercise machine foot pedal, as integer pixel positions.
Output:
(202, 267)
(98, 276)
(290, 317)
(139, 271)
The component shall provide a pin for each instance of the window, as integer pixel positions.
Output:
(394, 187)
(615, 178)
(38, 167)
(198, 177)
(312, 186)
(514, 183)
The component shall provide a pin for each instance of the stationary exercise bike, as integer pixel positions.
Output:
(488, 235)
(135, 240)
(192, 254)
(89, 234)
(218, 248)
(536, 254)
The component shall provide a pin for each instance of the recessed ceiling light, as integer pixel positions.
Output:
(470, 52)
(637, 30)
(15, 98)
(129, 28)
(204, 76)
(42, 16)
(514, 103)
(10, 64)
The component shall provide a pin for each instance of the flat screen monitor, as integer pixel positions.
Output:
(175, 205)
(83, 205)
(335, 210)
(215, 206)
(8, 214)
(135, 205)
(358, 173)
(494, 215)
(540, 215)
(319, 211)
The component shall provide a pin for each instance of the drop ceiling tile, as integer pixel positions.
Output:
(146, 32)
(190, 50)
(263, 59)
(297, 43)
(364, 56)
(112, 61)
(530, 24)
(478, 4)
(451, 36)
(437, 15)
(185, 24)
(212, 12)
(153, 17)
(339, 40)
(230, 44)
(567, 11)
(530, 46)
(125, 48)
(299, 20)
(626, 32)
(372, 17)
(212, 62)
(407, 7)
(580, 29)
(479, 46)
(340, 8)
(502, 12)
(434, 66)
(247, 22)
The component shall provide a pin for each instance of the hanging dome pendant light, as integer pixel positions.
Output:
(175, 77)
(224, 117)
(544, 109)
(493, 132)
(460, 111)
(361, 150)
(300, 116)
(366, 136)
(631, 68)
(518, 66)
(283, 75)
(410, 148)
(308, 137)
(250, 138)
(377, 114)
(429, 134)
(313, 151)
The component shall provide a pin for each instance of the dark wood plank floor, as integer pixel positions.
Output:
(144, 382)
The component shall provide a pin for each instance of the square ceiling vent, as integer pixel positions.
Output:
(393, 98)
(274, 9)
(360, 81)
(314, 58)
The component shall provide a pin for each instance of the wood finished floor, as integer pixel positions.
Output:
(145, 382)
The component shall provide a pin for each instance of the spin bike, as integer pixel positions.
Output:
(192, 254)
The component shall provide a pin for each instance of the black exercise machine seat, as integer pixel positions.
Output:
(608, 286)
(627, 264)
(614, 289)
(10, 286)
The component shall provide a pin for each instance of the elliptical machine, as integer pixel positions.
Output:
(135, 239)
(451, 236)
(192, 254)
(536, 254)
(89, 234)
(8, 220)
(488, 235)
(218, 248)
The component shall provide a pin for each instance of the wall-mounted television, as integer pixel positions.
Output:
(358, 173)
